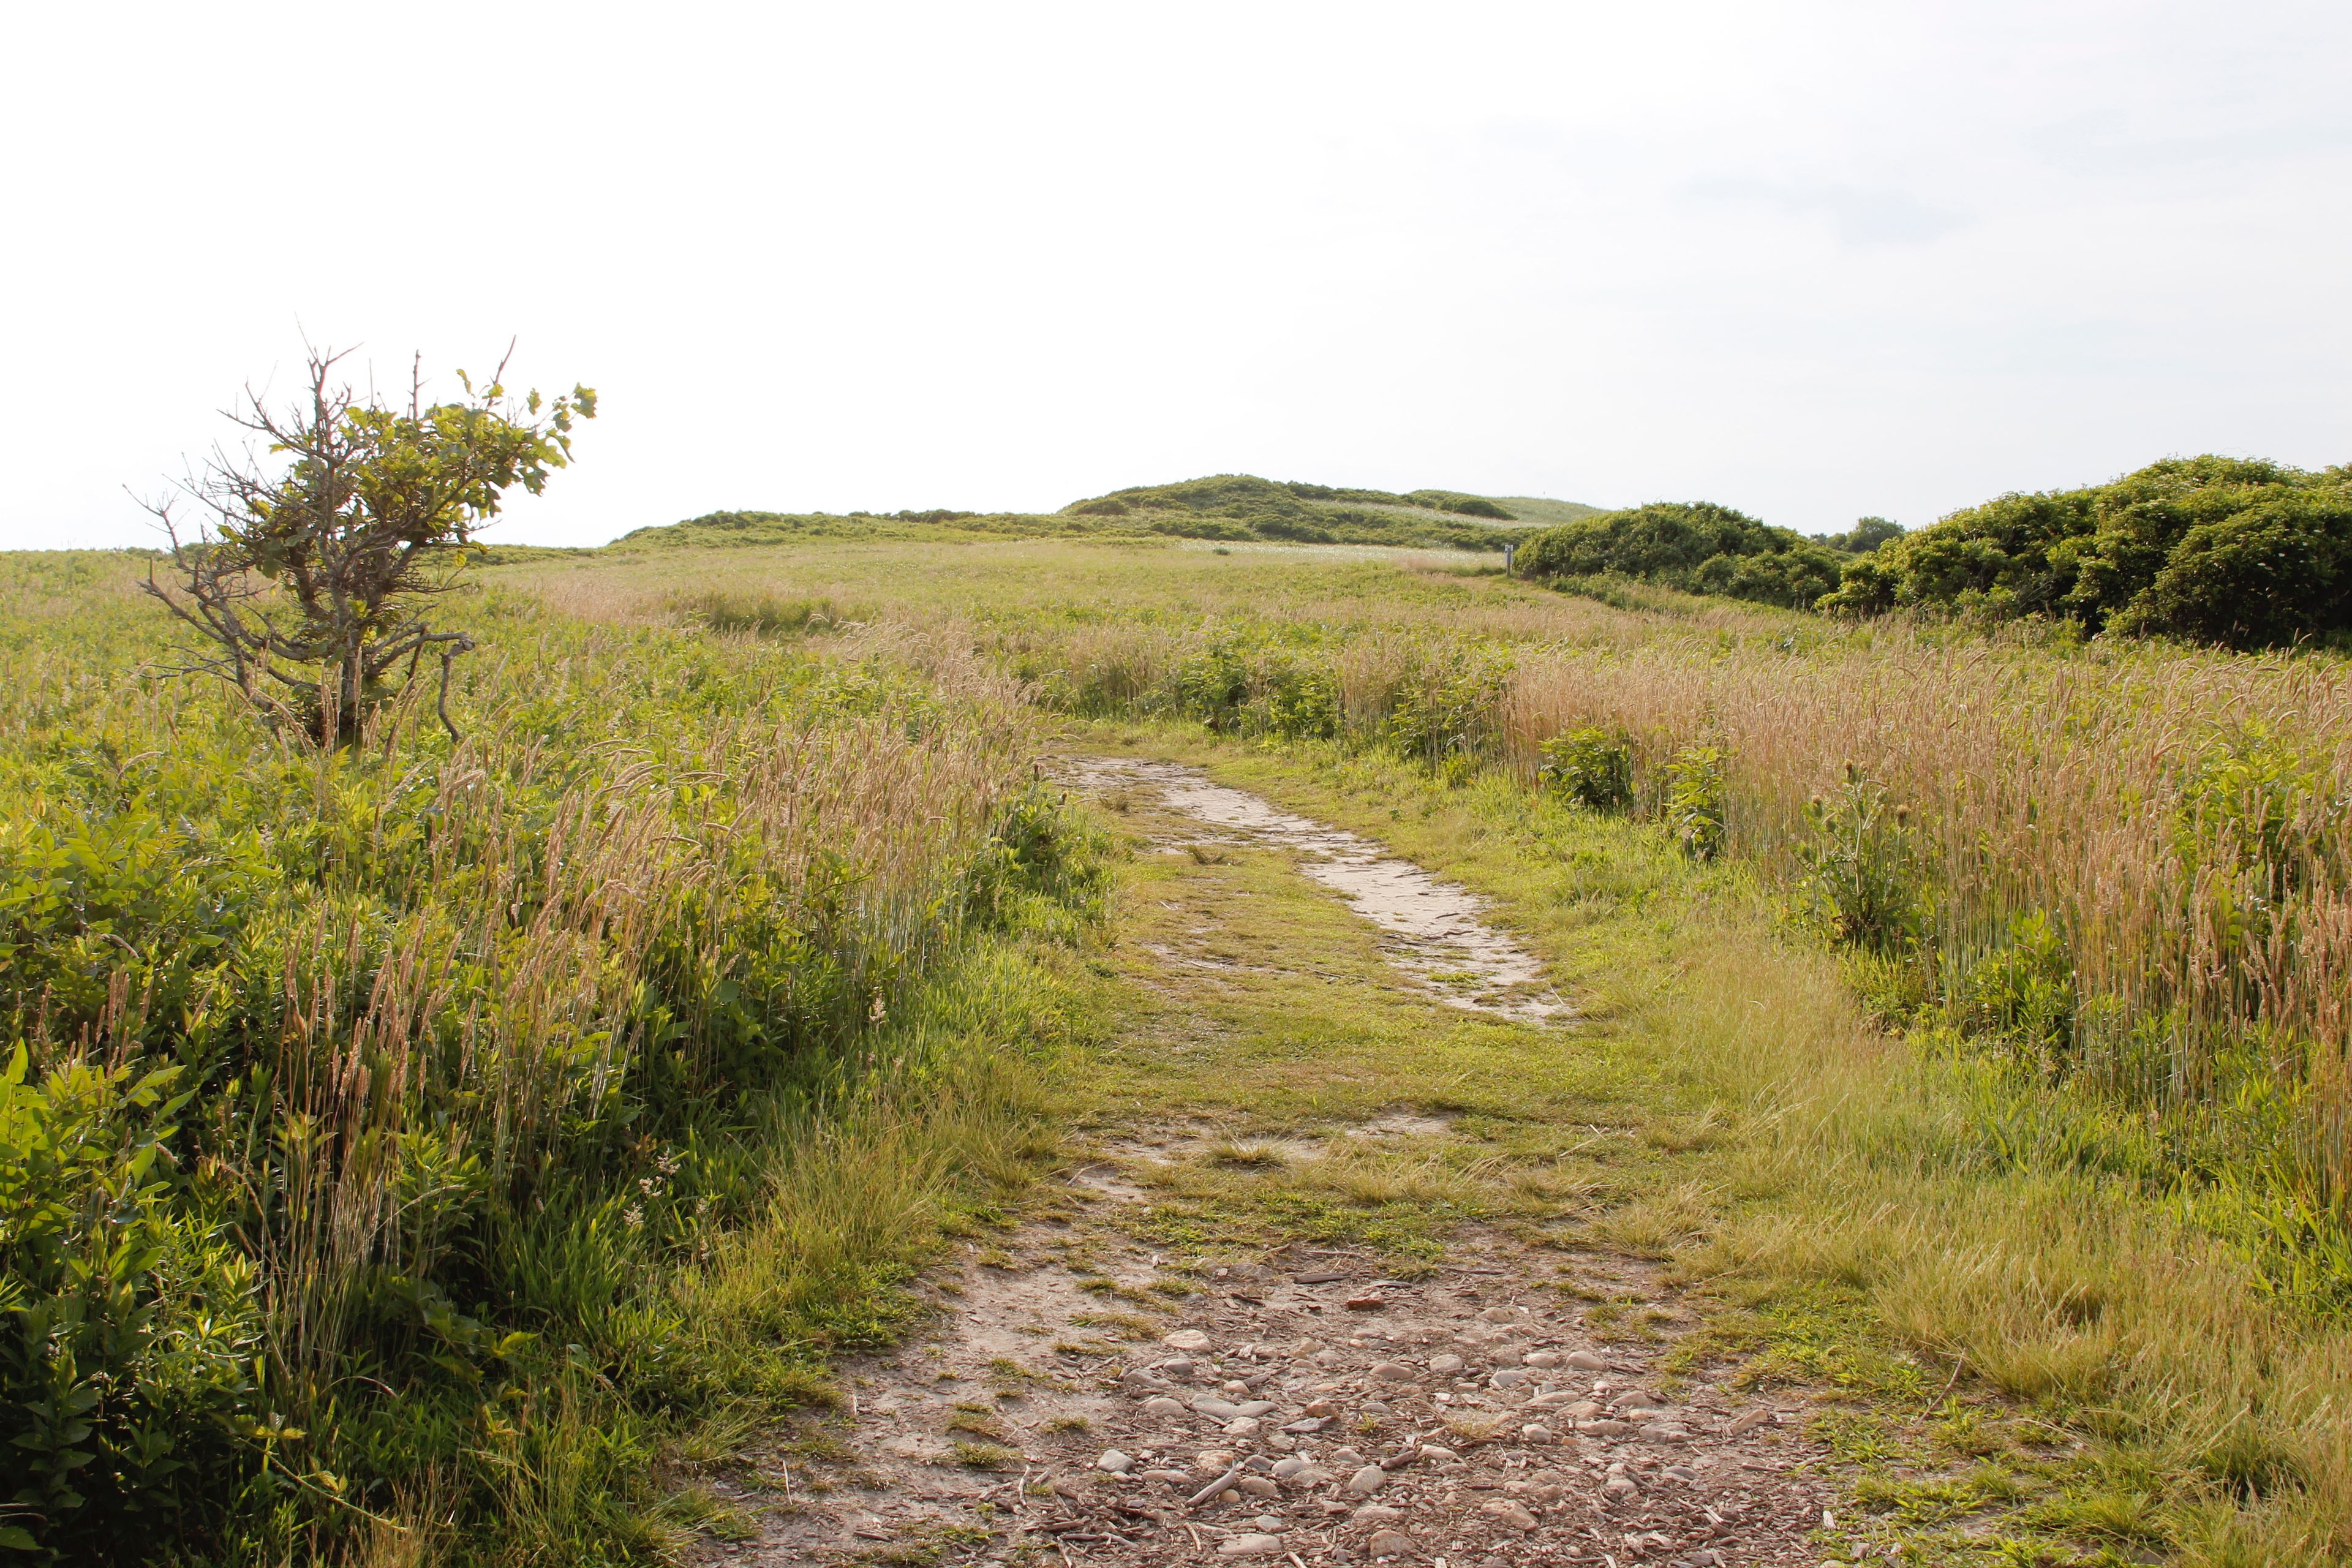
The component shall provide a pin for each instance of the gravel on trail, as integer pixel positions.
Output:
(1445, 1425)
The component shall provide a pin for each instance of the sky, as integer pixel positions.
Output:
(1814, 260)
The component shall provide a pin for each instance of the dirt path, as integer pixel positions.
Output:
(1434, 928)
(1100, 1387)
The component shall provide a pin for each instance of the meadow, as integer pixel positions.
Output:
(2097, 889)
(435, 1150)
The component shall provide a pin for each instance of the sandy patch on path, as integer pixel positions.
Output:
(1434, 930)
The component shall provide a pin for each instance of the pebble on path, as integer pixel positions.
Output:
(1249, 1546)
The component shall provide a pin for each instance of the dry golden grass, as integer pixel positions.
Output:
(2205, 907)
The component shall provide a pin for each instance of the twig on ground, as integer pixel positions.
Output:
(1213, 1487)
(1950, 1383)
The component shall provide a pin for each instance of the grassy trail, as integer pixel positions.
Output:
(1278, 1100)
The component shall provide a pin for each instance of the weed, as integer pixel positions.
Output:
(1592, 766)
(2024, 994)
(1237, 1152)
(1698, 797)
(1861, 882)
(978, 1419)
(983, 1456)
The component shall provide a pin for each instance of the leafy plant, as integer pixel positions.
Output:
(2243, 806)
(1697, 799)
(1592, 766)
(1444, 706)
(126, 1329)
(1862, 881)
(2024, 993)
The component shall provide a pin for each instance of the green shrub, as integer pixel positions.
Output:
(2231, 551)
(2263, 577)
(2024, 992)
(2247, 801)
(1299, 699)
(1861, 883)
(1697, 546)
(1446, 706)
(127, 1326)
(1697, 798)
(1866, 587)
(1866, 535)
(1213, 684)
(1592, 766)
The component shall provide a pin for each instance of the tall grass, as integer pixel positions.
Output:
(2156, 836)
(380, 1116)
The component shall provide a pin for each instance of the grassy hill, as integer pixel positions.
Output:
(1537, 509)
(1237, 507)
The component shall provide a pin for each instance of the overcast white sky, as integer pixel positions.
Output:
(1813, 260)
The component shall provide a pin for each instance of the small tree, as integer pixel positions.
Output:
(308, 587)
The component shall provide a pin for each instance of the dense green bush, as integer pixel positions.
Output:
(1696, 546)
(2229, 551)
(1592, 766)
(1866, 534)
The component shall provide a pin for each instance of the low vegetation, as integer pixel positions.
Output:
(1234, 508)
(2119, 870)
(424, 1129)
